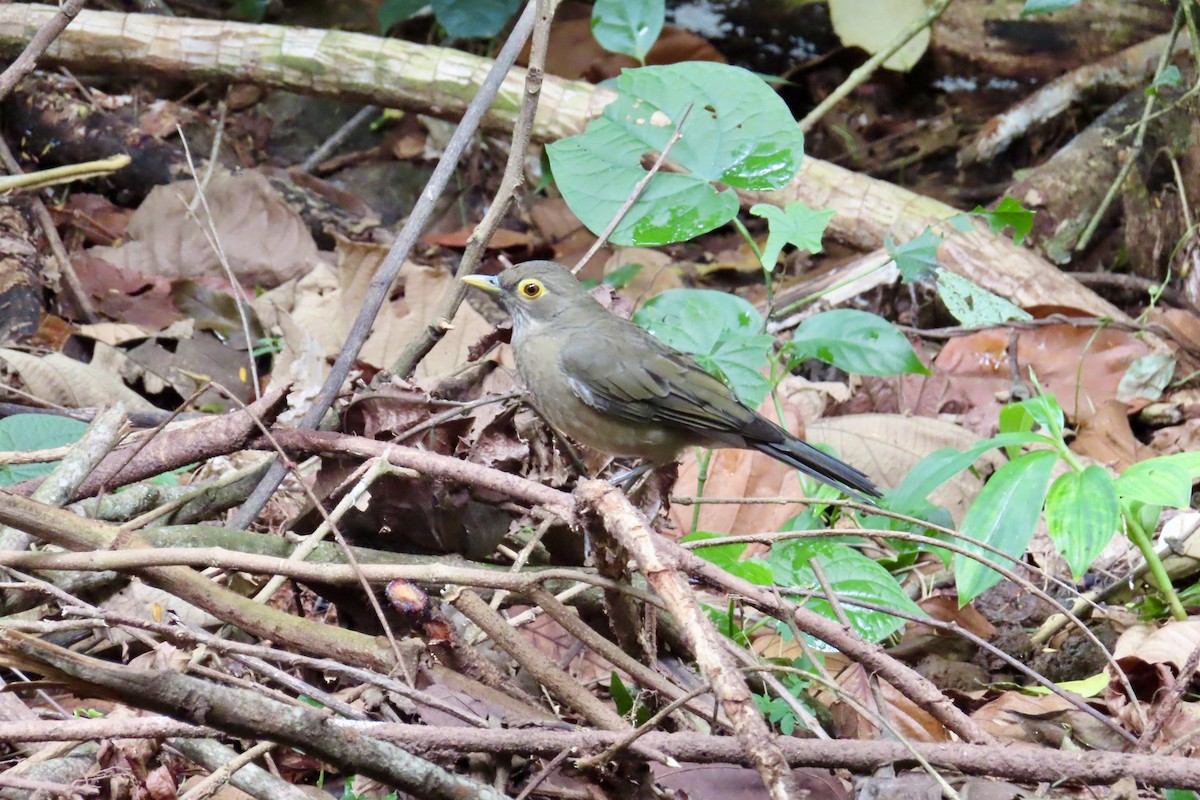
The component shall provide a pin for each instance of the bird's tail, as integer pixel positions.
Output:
(822, 466)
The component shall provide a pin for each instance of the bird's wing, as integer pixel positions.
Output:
(643, 380)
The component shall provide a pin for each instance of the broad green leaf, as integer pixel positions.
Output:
(1156, 482)
(971, 304)
(1008, 213)
(1088, 687)
(392, 12)
(795, 224)
(469, 19)
(622, 275)
(1168, 77)
(1002, 516)
(1082, 514)
(1045, 6)
(23, 432)
(621, 696)
(942, 465)
(1042, 410)
(628, 26)
(917, 258)
(738, 133)
(856, 341)
(721, 331)
(1146, 377)
(851, 575)
(729, 558)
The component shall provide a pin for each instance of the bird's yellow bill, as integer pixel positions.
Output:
(486, 282)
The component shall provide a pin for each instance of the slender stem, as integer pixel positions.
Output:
(860, 75)
(1137, 534)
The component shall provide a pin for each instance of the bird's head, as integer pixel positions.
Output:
(535, 291)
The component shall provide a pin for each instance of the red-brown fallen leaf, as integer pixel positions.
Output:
(574, 52)
(125, 295)
(1080, 366)
(1107, 437)
(92, 217)
(909, 721)
(502, 239)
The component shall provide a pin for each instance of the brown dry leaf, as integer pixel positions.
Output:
(1002, 717)
(94, 217)
(1183, 438)
(111, 333)
(264, 239)
(945, 608)
(1170, 644)
(659, 272)
(888, 446)
(424, 289)
(67, 382)
(1107, 438)
(908, 720)
(562, 230)
(502, 239)
(732, 782)
(124, 294)
(574, 52)
(553, 640)
(739, 474)
(1080, 366)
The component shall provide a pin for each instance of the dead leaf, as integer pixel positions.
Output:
(67, 382)
(265, 240)
(1080, 366)
(574, 52)
(1107, 438)
(909, 721)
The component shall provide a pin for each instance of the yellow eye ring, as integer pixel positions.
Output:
(531, 289)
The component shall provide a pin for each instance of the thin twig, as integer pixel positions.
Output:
(860, 75)
(638, 188)
(1135, 149)
(511, 182)
(386, 274)
(45, 36)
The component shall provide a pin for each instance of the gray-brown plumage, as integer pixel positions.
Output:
(604, 381)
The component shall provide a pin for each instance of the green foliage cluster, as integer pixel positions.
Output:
(724, 126)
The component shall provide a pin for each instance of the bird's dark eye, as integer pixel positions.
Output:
(531, 289)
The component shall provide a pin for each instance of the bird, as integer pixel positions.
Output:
(611, 385)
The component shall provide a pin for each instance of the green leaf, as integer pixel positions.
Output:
(622, 275)
(738, 132)
(1146, 377)
(721, 331)
(795, 224)
(1082, 514)
(628, 26)
(851, 576)
(1042, 410)
(942, 465)
(393, 12)
(620, 694)
(1002, 516)
(1157, 482)
(1008, 213)
(1168, 77)
(470, 19)
(23, 432)
(971, 304)
(1045, 6)
(856, 341)
(917, 258)
(729, 558)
